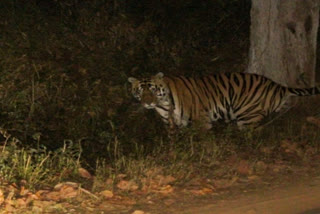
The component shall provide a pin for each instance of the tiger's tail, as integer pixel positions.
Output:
(304, 91)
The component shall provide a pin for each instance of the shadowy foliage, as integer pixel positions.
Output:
(64, 64)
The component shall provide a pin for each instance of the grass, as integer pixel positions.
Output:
(37, 168)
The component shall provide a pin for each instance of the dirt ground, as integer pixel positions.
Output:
(287, 194)
(296, 191)
(303, 198)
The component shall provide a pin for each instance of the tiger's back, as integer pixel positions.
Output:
(240, 97)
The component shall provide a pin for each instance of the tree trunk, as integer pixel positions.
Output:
(283, 40)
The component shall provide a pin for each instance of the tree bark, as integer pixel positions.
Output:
(283, 40)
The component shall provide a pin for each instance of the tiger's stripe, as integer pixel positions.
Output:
(240, 97)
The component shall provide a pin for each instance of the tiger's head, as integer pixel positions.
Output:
(151, 92)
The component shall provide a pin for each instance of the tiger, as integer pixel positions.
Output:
(243, 98)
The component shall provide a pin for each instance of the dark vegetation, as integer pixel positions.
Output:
(64, 67)
(65, 64)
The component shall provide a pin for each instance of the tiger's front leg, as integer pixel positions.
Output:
(172, 130)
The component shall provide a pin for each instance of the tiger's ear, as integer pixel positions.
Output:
(132, 79)
(159, 75)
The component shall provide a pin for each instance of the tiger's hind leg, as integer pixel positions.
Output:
(286, 105)
(283, 108)
(251, 121)
(274, 116)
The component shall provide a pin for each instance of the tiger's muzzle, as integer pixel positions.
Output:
(148, 99)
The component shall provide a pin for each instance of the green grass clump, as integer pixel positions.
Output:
(38, 168)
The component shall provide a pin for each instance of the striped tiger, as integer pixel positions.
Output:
(243, 98)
